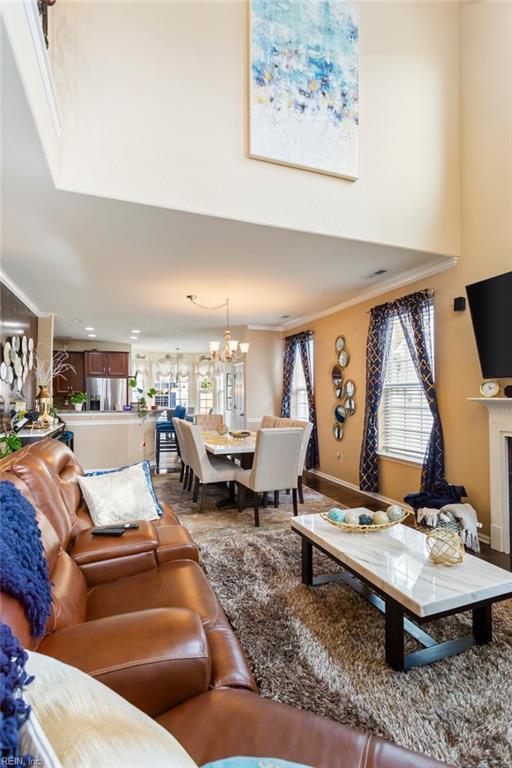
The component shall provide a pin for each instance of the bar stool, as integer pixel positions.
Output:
(165, 440)
(68, 438)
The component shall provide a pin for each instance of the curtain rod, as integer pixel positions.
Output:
(429, 291)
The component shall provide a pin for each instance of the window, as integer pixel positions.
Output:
(205, 395)
(182, 393)
(299, 404)
(405, 420)
(170, 395)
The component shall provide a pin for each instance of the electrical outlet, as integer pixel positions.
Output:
(339, 456)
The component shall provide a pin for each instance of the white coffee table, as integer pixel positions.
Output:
(392, 570)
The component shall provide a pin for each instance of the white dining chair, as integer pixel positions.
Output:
(280, 422)
(209, 422)
(205, 470)
(184, 452)
(274, 468)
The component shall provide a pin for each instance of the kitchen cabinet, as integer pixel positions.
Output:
(118, 364)
(71, 380)
(107, 364)
(96, 363)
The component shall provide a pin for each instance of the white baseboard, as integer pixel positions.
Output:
(481, 536)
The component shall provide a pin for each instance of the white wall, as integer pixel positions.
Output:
(154, 98)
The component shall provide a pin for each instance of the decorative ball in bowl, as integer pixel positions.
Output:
(364, 521)
(222, 430)
(239, 435)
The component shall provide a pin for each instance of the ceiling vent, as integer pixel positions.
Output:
(377, 273)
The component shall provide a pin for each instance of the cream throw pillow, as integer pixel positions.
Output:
(87, 725)
(119, 497)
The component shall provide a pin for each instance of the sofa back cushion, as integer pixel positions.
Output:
(45, 491)
(65, 470)
(69, 589)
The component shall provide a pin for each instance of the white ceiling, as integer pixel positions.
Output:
(117, 266)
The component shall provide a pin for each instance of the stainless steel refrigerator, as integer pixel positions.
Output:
(106, 394)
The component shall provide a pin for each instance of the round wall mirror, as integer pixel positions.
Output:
(343, 358)
(339, 391)
(350, 388)
(350, 406)
(337, 431)
(340, 344)
(337, 375)
(340, 414)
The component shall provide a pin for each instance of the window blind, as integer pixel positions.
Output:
(405, 420)
(299, 403)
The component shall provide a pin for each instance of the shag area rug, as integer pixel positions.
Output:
(322, 649)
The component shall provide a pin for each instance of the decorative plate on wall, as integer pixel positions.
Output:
(24, 345)
(350, 388)
(30, 344)
(339, 391)
(337, 375)
(340, 344)
(340, 414)
(7, 353)
(350, 406)
(337, 431)
(3, 371)
(343, 358)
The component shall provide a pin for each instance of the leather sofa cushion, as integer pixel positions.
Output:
(232, 722)
(178, 584)
(163, 658)
(90, 549)
(175, 543)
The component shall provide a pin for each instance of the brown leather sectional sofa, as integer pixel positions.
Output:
(139, 614)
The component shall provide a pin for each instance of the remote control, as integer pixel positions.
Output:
(107, 531)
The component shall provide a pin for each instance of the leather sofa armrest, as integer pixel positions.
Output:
(155, 659)
(88, 549)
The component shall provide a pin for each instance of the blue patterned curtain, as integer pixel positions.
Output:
(377, 351)
(416, 316)
(301, 343)
(290, 350)
(415, 313)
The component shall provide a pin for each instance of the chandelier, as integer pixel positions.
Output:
(233, 350)
(173, 368)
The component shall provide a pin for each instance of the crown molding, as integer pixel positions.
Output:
(36, 32)
(11, 285)
(404, 278)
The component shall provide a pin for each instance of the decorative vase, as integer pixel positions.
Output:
(78, 406)
(44, 401)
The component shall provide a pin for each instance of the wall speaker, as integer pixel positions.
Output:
(508, 390)
(459, 304)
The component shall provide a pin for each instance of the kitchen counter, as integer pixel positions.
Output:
(109, 439)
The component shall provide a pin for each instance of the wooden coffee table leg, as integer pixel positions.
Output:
(307, 563)
(482, 624)
(395, 656)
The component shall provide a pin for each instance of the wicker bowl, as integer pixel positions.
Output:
(240, 435)
(349, 528)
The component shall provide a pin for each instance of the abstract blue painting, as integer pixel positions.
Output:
(304, 99)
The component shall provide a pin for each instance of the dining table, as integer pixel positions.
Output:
(226, 445)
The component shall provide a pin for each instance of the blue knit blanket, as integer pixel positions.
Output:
(23, 566)
(14, 711)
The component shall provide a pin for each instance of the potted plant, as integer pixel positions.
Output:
(142, 406)
(78, 399)
(8, 444)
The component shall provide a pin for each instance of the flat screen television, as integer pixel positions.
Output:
(490, 303)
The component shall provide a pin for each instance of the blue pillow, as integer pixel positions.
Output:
(254, 762)
(147, 472)
(180, 412)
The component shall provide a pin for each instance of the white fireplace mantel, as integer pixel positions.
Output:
(500, 432)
